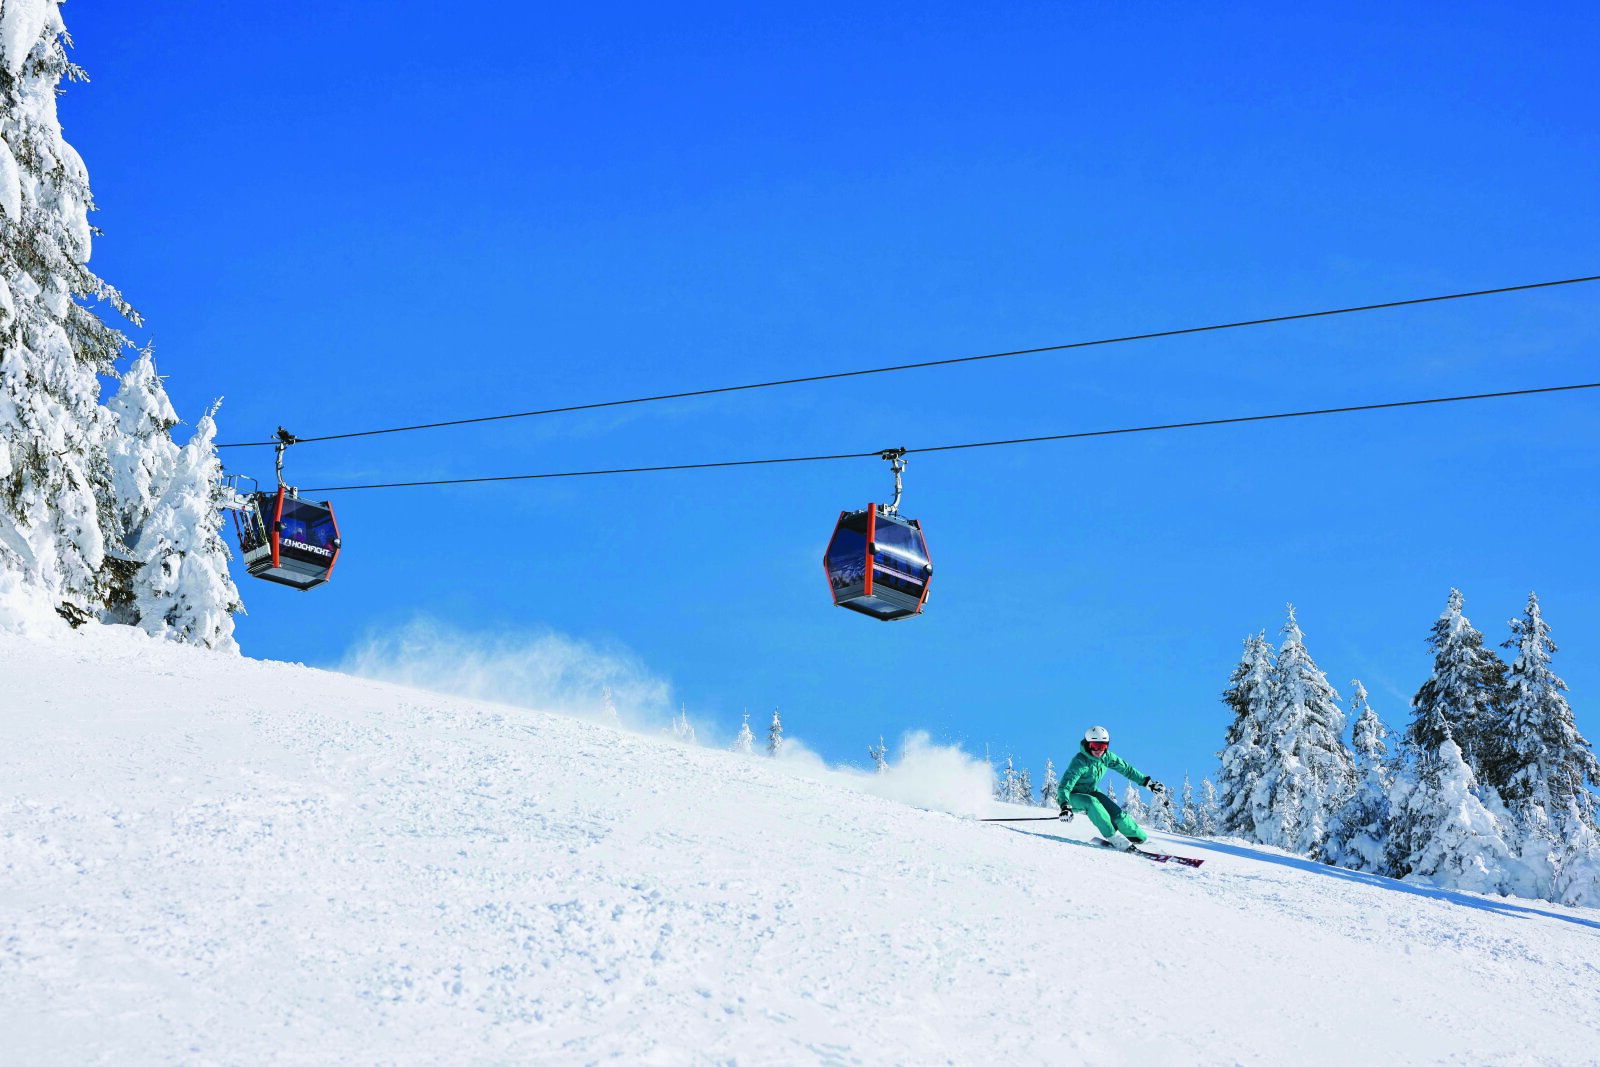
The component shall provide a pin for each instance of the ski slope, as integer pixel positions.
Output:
(206, 860)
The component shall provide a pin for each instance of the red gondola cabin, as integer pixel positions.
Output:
(287, 540)
(877, 564)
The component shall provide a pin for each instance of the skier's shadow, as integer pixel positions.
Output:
(1377, 881)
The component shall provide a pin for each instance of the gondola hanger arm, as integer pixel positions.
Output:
(285, 439)
(897, 463)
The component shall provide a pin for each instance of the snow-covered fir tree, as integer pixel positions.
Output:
(55, 496)
(1359, 829)
(775, 736)
(745, 742)
(1464, 693)
(1133, 804)
(1369, 738)
(1047, 788)
(142, 459)
(182, 588)
(681, 728)
(1308, 771)
(1445, 835)
(1188, 815)
(1544, 764)
(1577, 880)
(608, 709)
(1160, 814)
(880, 755)
(1005, 784)
(1013, 786)
(1243, 757)
(1208, 815)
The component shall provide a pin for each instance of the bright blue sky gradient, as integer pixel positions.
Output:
(367, 214)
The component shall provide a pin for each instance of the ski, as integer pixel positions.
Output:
(1159, 857)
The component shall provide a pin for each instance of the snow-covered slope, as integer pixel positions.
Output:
(212, 860)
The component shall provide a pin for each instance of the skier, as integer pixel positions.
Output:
(1079, 789)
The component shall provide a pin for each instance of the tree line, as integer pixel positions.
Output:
(102, 515)
(1192, 813)
(1487, 788)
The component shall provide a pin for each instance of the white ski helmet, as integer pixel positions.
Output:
(1097, 734)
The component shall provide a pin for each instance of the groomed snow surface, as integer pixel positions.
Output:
(206, 860)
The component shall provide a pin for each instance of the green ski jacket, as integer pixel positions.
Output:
(1083, 774)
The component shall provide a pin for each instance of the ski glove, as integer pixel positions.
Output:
(1067, 813)
(1154, 786)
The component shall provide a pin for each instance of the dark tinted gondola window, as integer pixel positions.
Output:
(323, 532)
(900, 558)
(904, 542)
(847, 554)
(307, 523)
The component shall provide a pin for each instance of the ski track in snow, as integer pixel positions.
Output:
(212, 860)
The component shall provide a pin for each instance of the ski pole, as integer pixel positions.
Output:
(1030, 818)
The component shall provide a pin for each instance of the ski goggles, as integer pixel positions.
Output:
(1098, 748)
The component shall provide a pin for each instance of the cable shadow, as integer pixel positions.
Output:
(1547, 910)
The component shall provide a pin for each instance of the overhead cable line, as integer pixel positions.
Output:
(875, 453)
(935, 362)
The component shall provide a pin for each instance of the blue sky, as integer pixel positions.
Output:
(363, 215)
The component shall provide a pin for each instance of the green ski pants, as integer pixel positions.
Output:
(1107, 817)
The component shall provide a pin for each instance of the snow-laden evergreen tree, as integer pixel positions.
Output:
(1544, 763)
(1208, 816)
(775, 736)
(55, 496)
(745, 743)
(880, 755)
(1308, 771)
(608, 709)
(1358, 831)
(182, 589)
(1188, 816)
(1444, 835)
(1243, 756)
(1464, 693)
(681, 728)
(1160, 814)
(1133, 804)
(142, 459)
(1404, 770)
(1369, 738)
(1005, 784)
(1047, 788)
(1024, 787)
(1576, 880)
